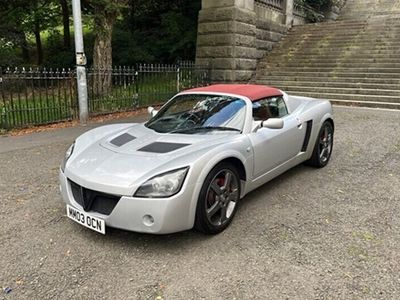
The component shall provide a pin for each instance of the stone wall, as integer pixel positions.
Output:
(234, 34)
(226, 40)
(270, 25)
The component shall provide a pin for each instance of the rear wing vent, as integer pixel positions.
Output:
(307, 136)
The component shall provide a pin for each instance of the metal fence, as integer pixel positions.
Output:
(40, 96)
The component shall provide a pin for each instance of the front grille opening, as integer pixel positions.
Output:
(92, 200)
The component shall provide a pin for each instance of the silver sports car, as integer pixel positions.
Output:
(192, 162)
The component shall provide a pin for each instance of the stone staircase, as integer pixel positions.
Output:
(354, 60)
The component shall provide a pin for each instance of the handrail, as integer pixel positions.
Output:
(275, 4)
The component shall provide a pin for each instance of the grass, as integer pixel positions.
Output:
(38, 105)
(34, 111)
(37, 110)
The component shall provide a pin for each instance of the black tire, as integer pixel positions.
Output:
(211, 205)
(323, 146)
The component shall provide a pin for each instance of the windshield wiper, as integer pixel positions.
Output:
(205, 128)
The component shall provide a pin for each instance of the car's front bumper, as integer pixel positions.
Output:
(171, 214)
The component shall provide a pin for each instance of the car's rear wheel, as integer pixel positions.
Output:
(218, 199)
(323, 146)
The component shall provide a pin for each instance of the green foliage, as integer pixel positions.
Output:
(8, 56)
(150, 31)
(102, 10)
(315, 9)
(166, 30)
(56, 55)
(318, 5)
(127, 50)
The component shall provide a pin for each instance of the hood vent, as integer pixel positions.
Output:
(122, 139)
(160, 147)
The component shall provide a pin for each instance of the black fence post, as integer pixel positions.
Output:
(3, 112)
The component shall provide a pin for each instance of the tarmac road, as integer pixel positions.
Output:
(332, 233)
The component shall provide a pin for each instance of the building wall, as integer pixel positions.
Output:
(234, 34)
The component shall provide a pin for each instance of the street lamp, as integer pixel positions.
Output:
(80, 63)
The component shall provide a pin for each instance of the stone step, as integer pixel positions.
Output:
(350, 61)
(348, 70)
(390, 18)
(335, 51)
(367, 6)
(365, 28)
(334, 24)
(340, 61)
(372, 10)
(362, 13)
(390, 82)
(371, 6)
(364, 32)
(340, 91)
(317, 28)
(328, 84)
(323, 29)
(331, 45)
(332, 58)
(338, 64)
(361, 38)
(369, 104)
(327, 75)
(348, 97)
(387, 31)
(366, 14)
(372, 42)
(368, 2)
(395, 46)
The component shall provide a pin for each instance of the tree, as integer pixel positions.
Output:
(166, 30)
(105, 13)
(23, 17)
(65, 18)
(11, 29)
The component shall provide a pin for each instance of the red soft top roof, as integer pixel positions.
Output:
(252, 91)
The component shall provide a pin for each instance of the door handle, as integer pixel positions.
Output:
(299, 123)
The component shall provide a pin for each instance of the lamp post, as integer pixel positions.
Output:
(80, 63)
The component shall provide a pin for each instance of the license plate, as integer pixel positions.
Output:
(86, 220)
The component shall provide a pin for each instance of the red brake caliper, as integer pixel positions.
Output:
(211, 195)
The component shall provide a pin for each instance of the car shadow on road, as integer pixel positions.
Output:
(275, 184)
(170, 242)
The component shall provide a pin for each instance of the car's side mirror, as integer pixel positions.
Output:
(272, 123)
(152, 111)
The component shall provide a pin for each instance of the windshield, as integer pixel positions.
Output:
(194, 113)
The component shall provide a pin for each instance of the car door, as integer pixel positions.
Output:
(274, 147)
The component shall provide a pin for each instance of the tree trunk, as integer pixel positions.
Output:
(38, 40)
(24, 46)
(102, 55)
(65, 16)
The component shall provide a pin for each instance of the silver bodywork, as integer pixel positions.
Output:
(263, 154)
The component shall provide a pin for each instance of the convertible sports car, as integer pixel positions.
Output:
(192, 162)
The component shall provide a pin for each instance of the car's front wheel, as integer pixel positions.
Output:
(218, 199)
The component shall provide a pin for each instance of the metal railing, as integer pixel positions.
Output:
(39, 96)
(274, 4)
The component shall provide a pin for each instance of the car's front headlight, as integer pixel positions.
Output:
(67, 156)
(163, 185)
